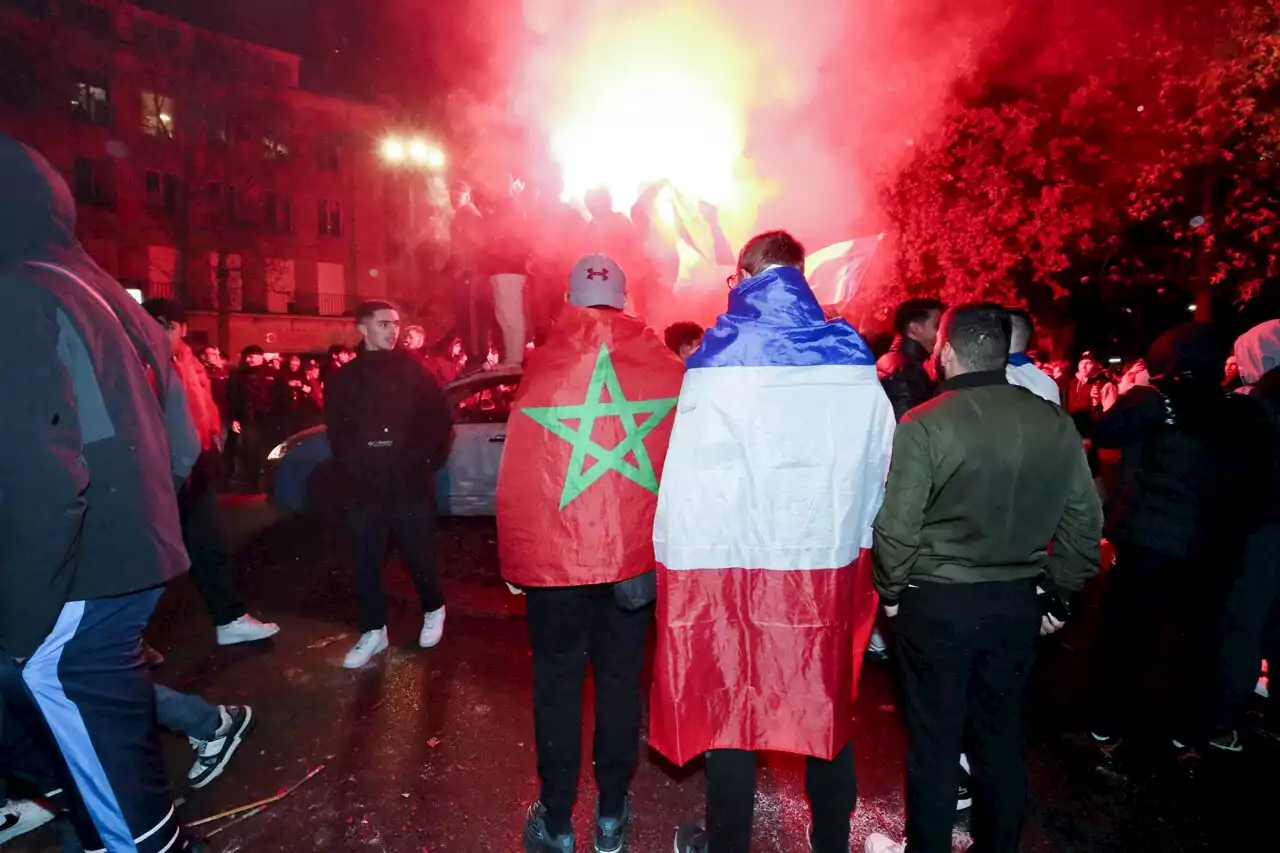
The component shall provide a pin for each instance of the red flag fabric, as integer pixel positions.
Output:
(585, 446)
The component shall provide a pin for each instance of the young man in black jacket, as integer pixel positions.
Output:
(89, 531)
(389, 428)
(902, 370)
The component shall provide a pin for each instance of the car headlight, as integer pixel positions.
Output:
(277, 453)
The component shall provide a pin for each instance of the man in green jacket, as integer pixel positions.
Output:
(989, 496)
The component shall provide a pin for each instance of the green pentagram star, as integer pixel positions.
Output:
(580, 476)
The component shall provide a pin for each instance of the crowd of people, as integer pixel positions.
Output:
(767, 496)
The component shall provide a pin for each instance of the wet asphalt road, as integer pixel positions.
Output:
(431, 751)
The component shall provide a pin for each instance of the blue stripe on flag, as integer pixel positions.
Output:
(774, 320)
(41, 676)
(1019, 359)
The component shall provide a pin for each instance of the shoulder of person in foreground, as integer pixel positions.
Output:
(908, 489)
(43, 476)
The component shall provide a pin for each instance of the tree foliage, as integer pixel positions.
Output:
(1136, 145)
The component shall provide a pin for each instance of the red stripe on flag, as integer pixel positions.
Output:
(759, 659)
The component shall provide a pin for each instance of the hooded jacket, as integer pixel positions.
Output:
(87, 501)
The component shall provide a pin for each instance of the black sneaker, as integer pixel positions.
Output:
(611, 832)
(538, 840)
(691, 838)
(213, 755)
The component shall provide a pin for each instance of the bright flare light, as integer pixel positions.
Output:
(393, 150)
(656, 99)
(418, 151)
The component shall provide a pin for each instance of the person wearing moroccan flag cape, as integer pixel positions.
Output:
(576, 498)
(774, 475)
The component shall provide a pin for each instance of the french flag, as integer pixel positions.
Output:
(773, 477)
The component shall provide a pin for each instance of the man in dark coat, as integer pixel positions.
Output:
(903, 370)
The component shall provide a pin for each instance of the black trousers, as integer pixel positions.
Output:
(413, 524)
(206, 540)
(1247, 633)
(567, 627)
(832, 787)
(964, 654)
(1154, 658)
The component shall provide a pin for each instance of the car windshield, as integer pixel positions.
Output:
(490, 404)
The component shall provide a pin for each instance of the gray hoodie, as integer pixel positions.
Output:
(87, 502)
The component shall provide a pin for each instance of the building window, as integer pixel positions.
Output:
(227, 264)
(277, 212)
(274, 149)
(331, 289)
(327, 153)
(328, 218)
(281, 285)
(162, 193)
(94, 182)
(89, 101)
(157, 114)
(162, 264)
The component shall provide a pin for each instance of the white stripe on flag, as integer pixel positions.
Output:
(774, 468)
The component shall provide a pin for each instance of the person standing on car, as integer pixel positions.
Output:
(389, 426)
(575, 518)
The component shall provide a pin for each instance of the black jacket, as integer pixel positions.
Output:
(1190, 453)
(389, 426)
(87, 501)
(903, 374)
(983, 477)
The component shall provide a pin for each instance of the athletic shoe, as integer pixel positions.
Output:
(611, 832)
(878, 843)
(1263, 687)
(432, 629)
(964, 799)
(877, 648)
(370, 643)
(213, 755)
(246, 629)
(538, 840)
(18, 817)
(691, 838)
(1227, 742)
(150, 656)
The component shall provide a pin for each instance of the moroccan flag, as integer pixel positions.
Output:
(836, 272)
(774, 476)
(584, 452)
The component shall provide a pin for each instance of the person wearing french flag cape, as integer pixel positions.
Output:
(774, 474)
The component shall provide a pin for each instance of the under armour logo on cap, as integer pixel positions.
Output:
(592, 273)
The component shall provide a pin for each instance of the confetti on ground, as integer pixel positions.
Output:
(327, 641)
(434, 742)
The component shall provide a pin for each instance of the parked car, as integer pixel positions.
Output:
(299, 477)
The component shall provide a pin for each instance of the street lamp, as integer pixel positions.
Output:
(416, 152)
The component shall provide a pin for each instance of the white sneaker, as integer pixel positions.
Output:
(18, 817)
(369, 644)
(877, 843)
(246, 629)
(432, 629)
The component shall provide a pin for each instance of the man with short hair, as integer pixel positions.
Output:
(389, 425)
(775, 472)
(1021, 370)
(903, 369)
(251, 396)
(984, 477)
(683, 338)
